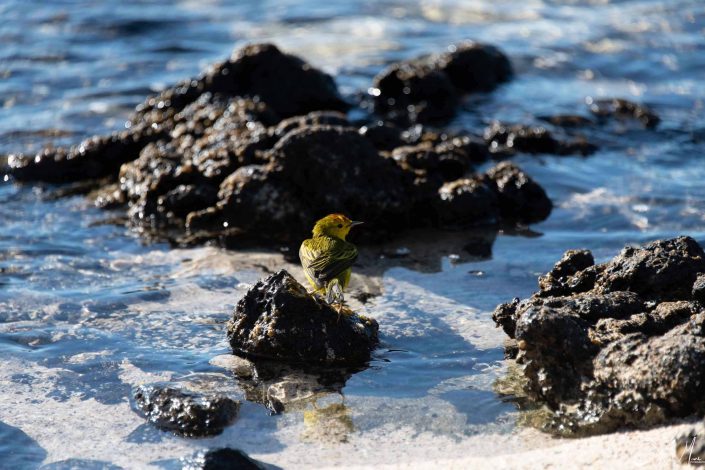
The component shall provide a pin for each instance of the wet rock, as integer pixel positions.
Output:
(259, 83)
(224, 458)
(287, 84)
(470, 148)
(256, 149)
(475, 67)
(519, 197)
(446, 166)
(414, 91)
(183, 412)
(383, 136)
(663, 270)
(616, 344)
(508, 139)
(93, 158)
(520, 138)
(329, 168)
(468, 201)
(623, 109)
(315, 118)
(699, 288)
(277, 319)
(560, 280)
(428, 89)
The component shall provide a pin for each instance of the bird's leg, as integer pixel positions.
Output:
(334, 296)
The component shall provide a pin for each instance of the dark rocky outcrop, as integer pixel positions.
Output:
(254, 73)
(256, 149)
(183, 412)
(278, 319)
(429, 88)
(616, 344)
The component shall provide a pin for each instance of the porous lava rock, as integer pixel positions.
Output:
(615, 344)
(258, 147)
(278, 319)
(183, 412)
(429, 88)
(257, 73)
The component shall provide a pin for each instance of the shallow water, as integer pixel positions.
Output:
(87, 311)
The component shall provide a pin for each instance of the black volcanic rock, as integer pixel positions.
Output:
(616, 344)
(520, 198)
(475, 67)
(429, 88)
(260, 73)
(279, 320)
(185, 413)
(257, 148)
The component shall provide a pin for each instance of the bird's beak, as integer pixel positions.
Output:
(355, 222)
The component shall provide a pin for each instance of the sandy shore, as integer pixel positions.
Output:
(652, 449)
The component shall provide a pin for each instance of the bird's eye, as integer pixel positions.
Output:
(340, 225)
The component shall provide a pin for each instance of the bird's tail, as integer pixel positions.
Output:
(334, 292)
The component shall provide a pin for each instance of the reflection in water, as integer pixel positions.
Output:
(281, 387)
(328, 424)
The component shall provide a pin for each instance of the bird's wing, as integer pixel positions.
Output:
(324, 258)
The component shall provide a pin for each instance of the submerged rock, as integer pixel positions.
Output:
(223, 458)
(507, 139)
(616, 344)
(185, 413)
(429, 88)
(280, 386)
(278, 319)
(623, 109)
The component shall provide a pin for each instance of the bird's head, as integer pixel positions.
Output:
(334, 225)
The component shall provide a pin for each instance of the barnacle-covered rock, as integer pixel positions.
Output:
(278, 319)
(616, 344)
(183, 412)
